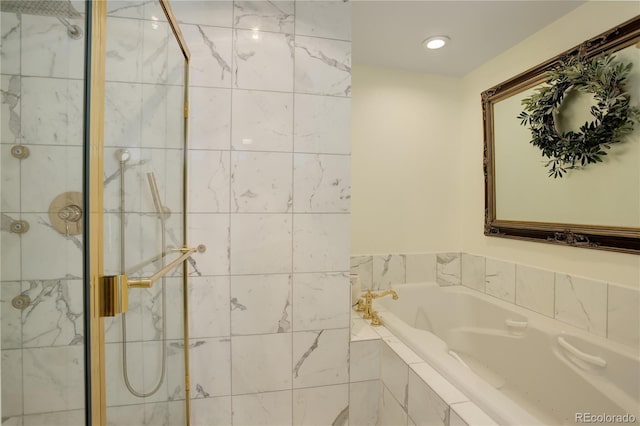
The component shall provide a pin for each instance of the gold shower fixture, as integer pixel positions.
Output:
(65, 213)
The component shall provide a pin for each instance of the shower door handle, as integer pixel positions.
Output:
(148, 282)
(115, 288)
(114, 295)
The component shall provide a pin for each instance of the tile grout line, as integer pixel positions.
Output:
(139, 70)
(233, 27)
(200, 86)
(606, 307)
(293, 144)
(515, 286)
(22, 371)
(553, 313)
(230, 190)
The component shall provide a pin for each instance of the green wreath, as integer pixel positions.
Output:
(614, 116)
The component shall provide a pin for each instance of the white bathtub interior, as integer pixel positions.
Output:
(520, 367)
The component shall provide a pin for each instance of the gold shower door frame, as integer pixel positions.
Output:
(95, 193)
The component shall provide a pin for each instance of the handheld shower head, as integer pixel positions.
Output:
(122, 155)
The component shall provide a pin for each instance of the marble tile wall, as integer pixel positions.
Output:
(605, 309)
(270, 194)
(379, 272)
(41, 108)
(364, 373)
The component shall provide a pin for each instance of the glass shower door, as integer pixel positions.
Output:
(42, 239)
(144, 214)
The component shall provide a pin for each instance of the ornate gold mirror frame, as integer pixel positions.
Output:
(613, 238)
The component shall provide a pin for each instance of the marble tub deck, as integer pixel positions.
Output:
(391, 385)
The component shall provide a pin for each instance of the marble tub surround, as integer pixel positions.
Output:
(473, 271)
(365, 360)
(379, 272)
(448, 268)
(579, 302)
(605, 309)
(468, 413)
(363, 402)
(387, 270)
(409, 391)
(500, 279)
(363, 266)
(534, 289)
(364, 372)
(622, 315)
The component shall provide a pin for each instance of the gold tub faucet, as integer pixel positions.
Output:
(365, 305)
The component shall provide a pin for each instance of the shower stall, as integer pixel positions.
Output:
(94, 252)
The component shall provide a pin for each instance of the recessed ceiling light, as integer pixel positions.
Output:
(435, 42)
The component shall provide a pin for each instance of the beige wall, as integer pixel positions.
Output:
(584, 22)
(406, 171)
(417, 183)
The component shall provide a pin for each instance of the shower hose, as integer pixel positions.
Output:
(158, 206)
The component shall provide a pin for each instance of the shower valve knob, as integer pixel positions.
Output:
(70, 213)
(20, 152)
(65, 213)
(21, 302)
(19, 226)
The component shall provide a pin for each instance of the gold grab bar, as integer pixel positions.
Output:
(154, 259)
(148, 282)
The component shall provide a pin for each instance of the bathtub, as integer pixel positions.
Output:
(520, 367)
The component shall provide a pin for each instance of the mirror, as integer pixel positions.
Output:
(592, 205)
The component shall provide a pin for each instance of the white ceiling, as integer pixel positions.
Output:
(390, 33)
